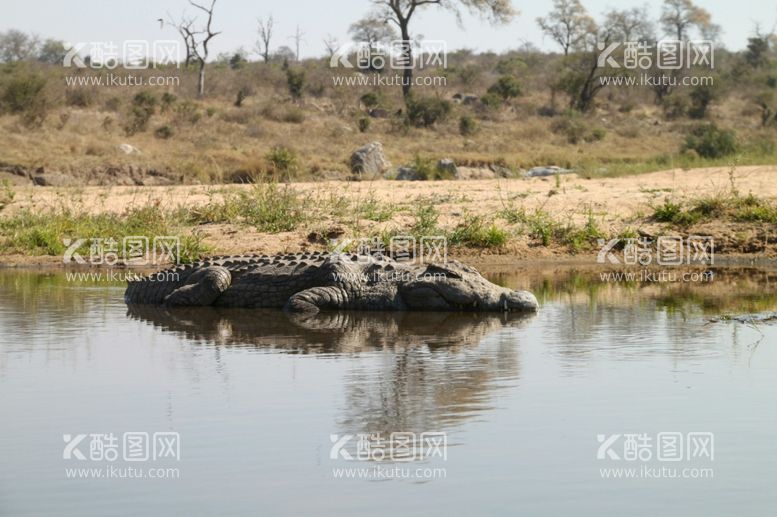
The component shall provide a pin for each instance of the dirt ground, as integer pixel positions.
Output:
(614, 202)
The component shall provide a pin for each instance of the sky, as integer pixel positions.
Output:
(121, 20)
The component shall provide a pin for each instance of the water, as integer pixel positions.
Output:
(255, 396)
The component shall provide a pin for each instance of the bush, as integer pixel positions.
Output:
(283, 160)
(295, 80)
(570, 126)
(708, 141)
(144, 99)
(163, 132)
(370, 100)
(427, 111)
(701, 97)
(467, 125)
(491, 100)
(506, 87)
(143, 107)
(242, 93)
(24, 93)
(596, 134)
(168, 99)
(187, 112)
(78, 97)
(364, 124)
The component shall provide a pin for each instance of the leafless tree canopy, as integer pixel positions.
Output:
(264, 28)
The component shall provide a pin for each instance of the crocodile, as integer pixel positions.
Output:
(318, 281)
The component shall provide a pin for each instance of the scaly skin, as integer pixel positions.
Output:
(312, 282)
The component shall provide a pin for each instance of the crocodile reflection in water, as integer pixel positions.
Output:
(439, 369)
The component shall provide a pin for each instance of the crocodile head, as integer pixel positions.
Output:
(456, 287)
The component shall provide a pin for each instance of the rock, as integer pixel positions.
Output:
(157, 181)
(128, 149)
(465, 98)
(501, 171)
(14, 175)
(379, 113)
(369, 160)
(408, 174)
(550, 170)
(472, 173)
(447, 167)
(52, 179)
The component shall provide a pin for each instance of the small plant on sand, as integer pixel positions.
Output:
(375, 210)
(7, 194)
(475, 231)
(426, 218)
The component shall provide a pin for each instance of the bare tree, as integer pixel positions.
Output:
(185, 30)
(679, 16)
(264, 29)
(201, 40)
(400, 12)
(569, 25)
(331, 44)
(298, 38)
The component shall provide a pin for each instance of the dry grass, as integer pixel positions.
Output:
(212, 140)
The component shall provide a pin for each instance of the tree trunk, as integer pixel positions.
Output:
(407, 73)
(201, 80)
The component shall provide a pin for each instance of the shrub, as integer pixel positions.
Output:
(78, 97)
(491, 100)
(370, 100)
(283, 160)
(242, 93)
(711, 142)
(187, 112)
(701, 97)
(506, 87)
(596, 134)
(295, 80)
(570, 126)
(364, 124)
(143, 107)
(144, 99)
(23, 93)
(467, 125)
(427, 111)
(168, 99)
(163, 132)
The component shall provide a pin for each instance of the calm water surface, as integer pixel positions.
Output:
(255, 399)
